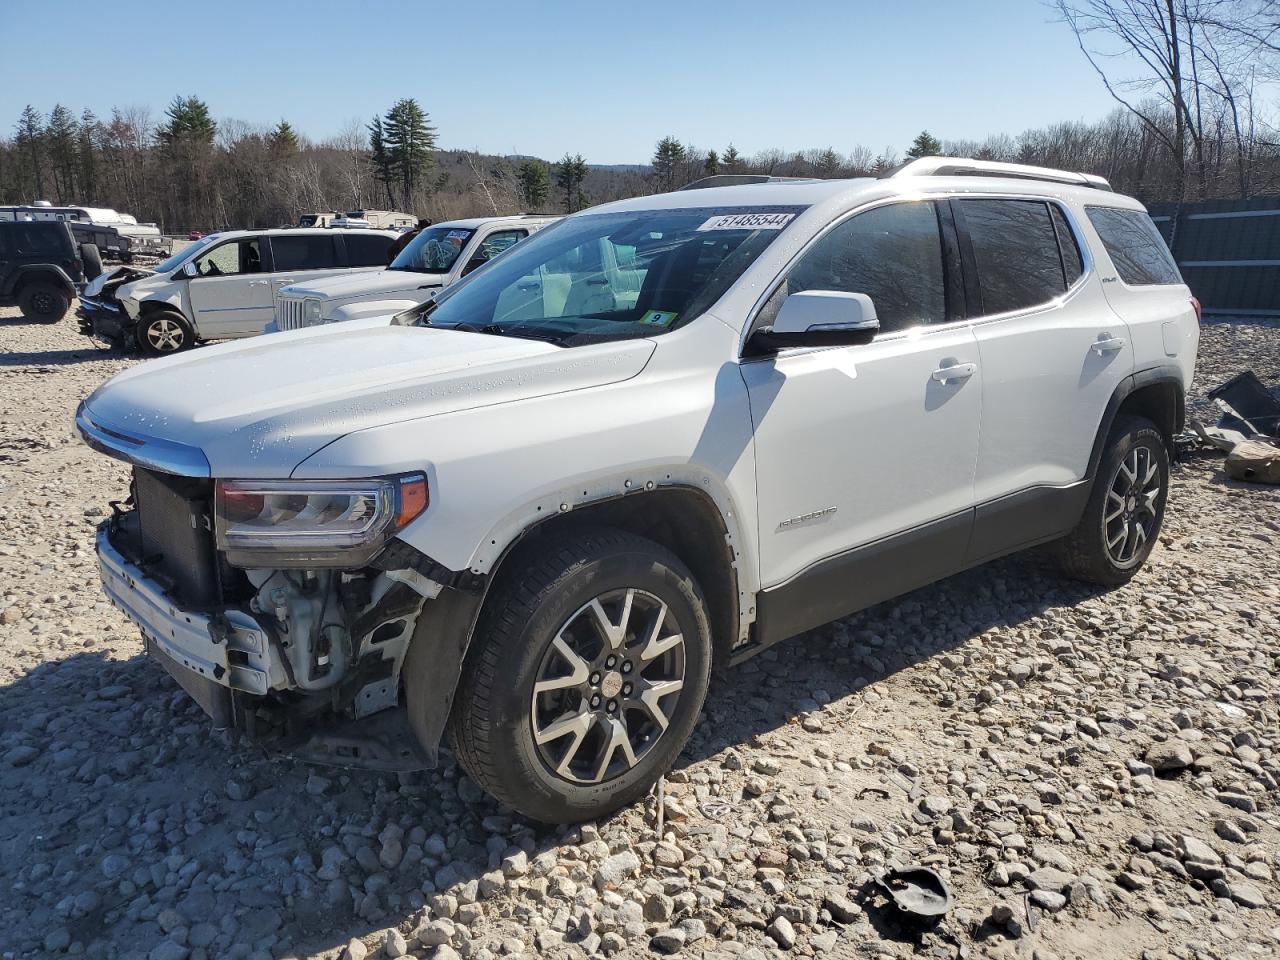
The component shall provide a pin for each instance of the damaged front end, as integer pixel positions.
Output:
(101, 314)
(306, 659)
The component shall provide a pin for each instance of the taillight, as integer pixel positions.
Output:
(1195, 305)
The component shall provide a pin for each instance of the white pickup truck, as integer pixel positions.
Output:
(438, 256)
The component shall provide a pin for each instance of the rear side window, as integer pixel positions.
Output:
(304, 252)
(1134, 245)
(367, 250)
(893, 254)
(37, 239)
(1015, 247)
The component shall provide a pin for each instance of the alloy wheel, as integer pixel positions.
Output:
(1129, 519)
(165, 335)
(605, 689)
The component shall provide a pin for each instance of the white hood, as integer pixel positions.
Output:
(257, 408)
(367, 285)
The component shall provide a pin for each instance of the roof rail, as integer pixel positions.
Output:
(737, 180)
(966, 167)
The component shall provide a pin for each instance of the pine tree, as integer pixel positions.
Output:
(732, 161)
(571, 174)
(284, 139)
(62, 137)
(712, 163)
(87, 154)
(380, 159)
(188, 122)
(828, 163)
(668, 160)
(28, 137)
(925, 145)
(535, 184)
(410, 140)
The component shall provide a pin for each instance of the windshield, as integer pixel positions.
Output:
(434, 250)
(171, 263)
(611, 276)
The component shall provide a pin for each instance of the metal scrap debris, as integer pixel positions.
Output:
(916, 889)
(1248, 430)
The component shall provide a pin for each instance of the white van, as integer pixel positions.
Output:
(221, 286)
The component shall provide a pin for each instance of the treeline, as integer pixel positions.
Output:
(187, 170)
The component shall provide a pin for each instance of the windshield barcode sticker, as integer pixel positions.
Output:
(748, 221)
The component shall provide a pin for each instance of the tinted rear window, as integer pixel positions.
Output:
(303, 253)
(1015, 247)
(364, 250)
(1134, 245)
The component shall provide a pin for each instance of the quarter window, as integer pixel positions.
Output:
(1015, 248)
(1072, 262)
(1134, 245)
(313, 252)
(893, 254)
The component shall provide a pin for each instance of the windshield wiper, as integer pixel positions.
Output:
(498, 330)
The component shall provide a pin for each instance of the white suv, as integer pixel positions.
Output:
(534, 512)
(437, 257)
(221, 286)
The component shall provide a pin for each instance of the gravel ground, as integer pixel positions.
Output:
(1095, 774)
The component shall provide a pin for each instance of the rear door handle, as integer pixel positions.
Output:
(1107, 345)
(957, 371)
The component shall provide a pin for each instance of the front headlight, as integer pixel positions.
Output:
(311, 311)
(313, 523)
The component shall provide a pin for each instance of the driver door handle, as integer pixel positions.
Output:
(1107, 345)
(957, 371)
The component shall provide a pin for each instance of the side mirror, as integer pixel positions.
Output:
(820, 318)
(189, 269)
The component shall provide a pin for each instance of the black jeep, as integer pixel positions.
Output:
(40, 266)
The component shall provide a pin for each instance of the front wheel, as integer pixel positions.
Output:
(162, 332)
(1125, 510)
(43, 301)
(585, 679)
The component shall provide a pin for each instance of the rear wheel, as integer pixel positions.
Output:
(162, 332)
(1125, 510)
(585, 679)
(43, 301)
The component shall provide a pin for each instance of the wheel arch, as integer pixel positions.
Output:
(682, 517)
(1157, 394)
(42, 273)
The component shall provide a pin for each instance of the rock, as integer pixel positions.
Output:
(58, 939)
(356, 950)
(1197, 851)
(21, 756)
(391, 854)
(1051, 879)
(935, 806)
(658, 908)
(667, 942)
(516, 864)
(445, 952)
(617, 868)
(436, 933)
(239, 790)
(317, 785)
(841, 908)
(1168, 757)
(10, 615)
(169, 950)
(394, 943)
(782, 932)
(1048, 900)
(1247, 895)
(1227, 830)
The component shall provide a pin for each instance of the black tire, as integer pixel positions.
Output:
(43, 301)
(1122, 519)
(496, 710)
(162, 332)
(90, 261)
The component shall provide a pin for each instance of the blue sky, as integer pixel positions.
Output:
(602, 79)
